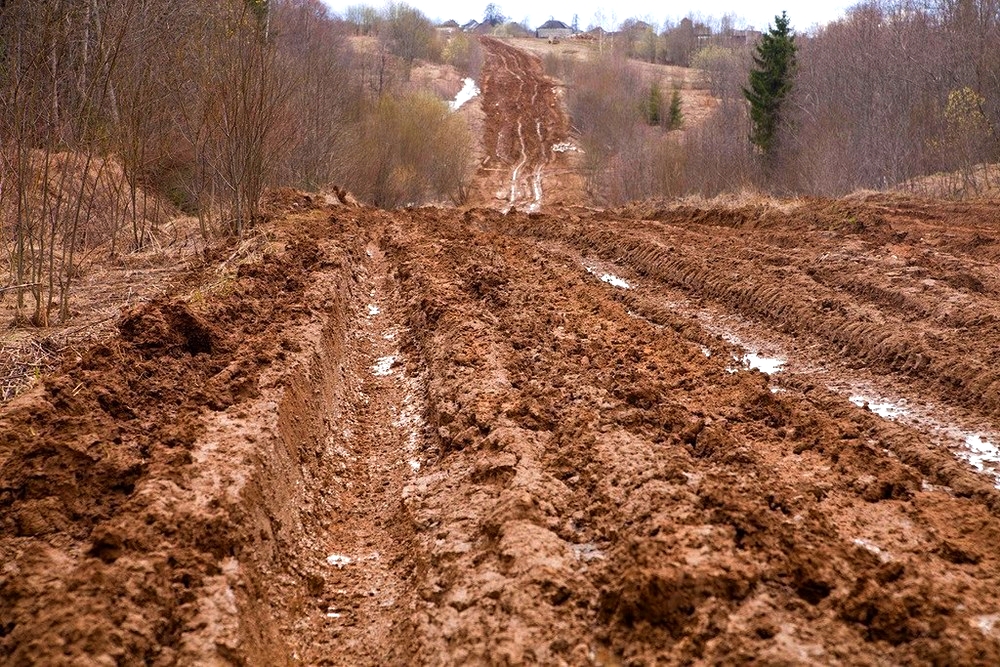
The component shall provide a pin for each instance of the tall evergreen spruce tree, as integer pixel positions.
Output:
(770, 81)
(675, 116)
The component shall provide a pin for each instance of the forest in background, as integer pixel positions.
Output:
(894, 92)
(117, 114)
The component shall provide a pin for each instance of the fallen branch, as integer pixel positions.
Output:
(11, 288)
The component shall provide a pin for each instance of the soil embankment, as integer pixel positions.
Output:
(436, 436)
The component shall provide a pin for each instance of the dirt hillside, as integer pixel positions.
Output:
(451, 437)
(526, 140)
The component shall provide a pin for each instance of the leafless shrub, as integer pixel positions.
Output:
(464, 54)
(57, 107)
(407, 150)
(410, 35)
(893, 91)
(326, 92)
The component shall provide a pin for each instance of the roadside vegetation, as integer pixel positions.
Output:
(117, 114)
(896, 94)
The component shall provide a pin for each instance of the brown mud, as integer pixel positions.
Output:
(434, 437)
(437, 436)
(525, 128)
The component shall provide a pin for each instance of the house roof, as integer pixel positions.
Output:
(552, 24)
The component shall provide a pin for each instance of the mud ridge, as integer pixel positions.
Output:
(152, 488)
(611, 461)
(774, 294)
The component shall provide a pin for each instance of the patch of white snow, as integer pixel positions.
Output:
(587, 552)
(987, 623)
(982, 454)
(383, 366)
(609, 278)
(884, 409)
(338, 561)
(565, 147)
(469, 90)
(873, 548)
(767, 365)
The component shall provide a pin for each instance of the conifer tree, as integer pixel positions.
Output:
(675, 115)
(653, 104)
(770, 81)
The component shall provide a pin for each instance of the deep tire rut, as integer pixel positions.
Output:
(524, 119)
(434, 437)
(368, 592)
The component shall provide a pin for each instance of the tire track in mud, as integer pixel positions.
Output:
(774, 293)
(801, 366)
(550, 470)
(606, 494)
(927, 317)
(524, 119)
(367, 594)
(181, 538)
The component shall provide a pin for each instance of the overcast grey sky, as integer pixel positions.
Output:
(756, 14)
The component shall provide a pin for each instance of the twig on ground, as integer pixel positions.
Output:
(11, 288)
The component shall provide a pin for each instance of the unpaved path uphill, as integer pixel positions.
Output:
(524, 120)
(439, 437)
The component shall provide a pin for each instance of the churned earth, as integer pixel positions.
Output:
(527, 149)
(454, 437)
(459, 436)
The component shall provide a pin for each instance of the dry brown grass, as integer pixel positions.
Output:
(104, 288)
(980, 182)
(442, 80)
(102, 184)
(572, 49)
(733, 201)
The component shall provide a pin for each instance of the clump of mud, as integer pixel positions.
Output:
(169, 328)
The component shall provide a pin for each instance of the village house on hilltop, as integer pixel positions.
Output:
(553, 29)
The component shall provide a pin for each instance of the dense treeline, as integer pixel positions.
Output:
(893, 92)
(115, 113)
(896, 91)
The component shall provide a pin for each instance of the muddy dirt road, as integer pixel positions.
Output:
(525, 128)
(462, 437)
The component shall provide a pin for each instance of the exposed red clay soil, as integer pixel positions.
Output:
(524, 120)
(455, 437)
(433, 437)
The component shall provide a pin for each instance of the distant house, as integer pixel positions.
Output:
(730, 39)
(553, 29)
(744, 37)
(489, 27)
(448, 28)
(484, 28)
